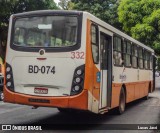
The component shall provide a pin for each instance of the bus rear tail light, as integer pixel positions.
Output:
(78, 80)
(9, 78)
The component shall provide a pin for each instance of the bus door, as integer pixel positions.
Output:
(106, 70)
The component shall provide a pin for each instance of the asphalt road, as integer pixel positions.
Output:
(138, 112)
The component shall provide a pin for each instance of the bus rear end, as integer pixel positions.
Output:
(45, 63)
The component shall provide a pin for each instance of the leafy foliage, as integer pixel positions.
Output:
(8, 7)
(141, 19)
(66, 4)
(103, 9)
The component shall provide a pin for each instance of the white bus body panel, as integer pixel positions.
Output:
(129, 75)
(58, 84)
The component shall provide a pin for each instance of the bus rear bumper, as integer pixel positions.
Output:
(79, 101)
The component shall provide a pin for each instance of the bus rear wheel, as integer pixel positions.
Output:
(62, 110)
(146, 97)
(66, 110)
(149, 90)
(122, 101)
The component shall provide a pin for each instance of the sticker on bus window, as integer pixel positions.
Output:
(44, 26)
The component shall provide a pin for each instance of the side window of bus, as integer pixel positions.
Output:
(134, 56)
(94, 42)
(117, 51)
(146, 59)
(140, 58)
(127, 53)
(151, 61)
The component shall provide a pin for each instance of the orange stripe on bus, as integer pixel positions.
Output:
(90, 68)
(9, 96)
(88, 84)
(78, 101)
(134, 90)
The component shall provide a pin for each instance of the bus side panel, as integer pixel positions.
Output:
(146, 90)
(79, 102)
(143, 90)
(96, 87)
(130, 90)
(116, 88)
(137, 89)
(134, 91)
(90, 75)
(95, 91)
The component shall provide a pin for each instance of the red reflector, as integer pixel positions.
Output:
(41, 58)
(41, 90)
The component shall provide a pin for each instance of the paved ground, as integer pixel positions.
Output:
(158, 82)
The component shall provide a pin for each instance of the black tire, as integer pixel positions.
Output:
(66, 110)
(122, 101)
(62, 110)
(146, 97)
(1, 96)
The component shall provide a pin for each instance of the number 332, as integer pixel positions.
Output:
(77, 55)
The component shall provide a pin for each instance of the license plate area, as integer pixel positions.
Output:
(38, 100)
(39, 90)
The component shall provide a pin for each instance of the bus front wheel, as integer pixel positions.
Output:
(122, 101)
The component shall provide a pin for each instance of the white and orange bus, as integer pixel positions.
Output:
(73, 60)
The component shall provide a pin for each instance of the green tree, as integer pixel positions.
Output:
(141, 19)
(66, 4)
(8, 7)
(103, 9)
